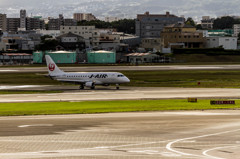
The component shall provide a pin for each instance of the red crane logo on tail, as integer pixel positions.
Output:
(51, 67)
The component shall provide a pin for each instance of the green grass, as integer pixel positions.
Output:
(187, 78)
(25, 78)
(17, 109)
(177, 78)
(27, 91)
(206, 59)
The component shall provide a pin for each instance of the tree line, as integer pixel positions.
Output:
(226, 22)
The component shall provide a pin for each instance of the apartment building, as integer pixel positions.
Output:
(54, 24)
(84, 16)
(207, 22)
(69, 22)
(89, 33)
(13, 24)
(24, 23)
(3, 22)
(182, 36)
(34, 23)
(23, 16)
(151, 25)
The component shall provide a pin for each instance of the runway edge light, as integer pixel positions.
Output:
(192, 100)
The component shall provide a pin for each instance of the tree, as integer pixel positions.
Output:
(124, 25)
(199, 27)
(223, 23)
(190, 21)
(44, 37)
(47, 45)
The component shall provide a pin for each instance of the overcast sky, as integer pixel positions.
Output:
(121, 8)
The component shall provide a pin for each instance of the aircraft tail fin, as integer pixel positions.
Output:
(53, 69)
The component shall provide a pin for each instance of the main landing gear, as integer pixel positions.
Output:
(93, 86)
(117, 86)
(81, 86)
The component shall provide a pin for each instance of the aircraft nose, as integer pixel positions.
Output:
(127, 80)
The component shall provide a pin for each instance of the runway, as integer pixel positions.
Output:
(124, 68)
(71, 93)
(151, 135)
(146, 135)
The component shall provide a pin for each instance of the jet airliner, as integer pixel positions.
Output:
(85, 79)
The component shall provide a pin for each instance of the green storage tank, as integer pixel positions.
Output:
(101, 57)
(37, 57)
(63, 57)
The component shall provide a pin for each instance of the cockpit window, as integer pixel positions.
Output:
(120, 75)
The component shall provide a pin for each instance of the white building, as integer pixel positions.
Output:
(112, 19)
(53, 33)
(236, 29)
(228, 43)
(108, 40)
(207, 22)
(89, 33)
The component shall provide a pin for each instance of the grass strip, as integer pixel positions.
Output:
(176, 78)
(89, 107)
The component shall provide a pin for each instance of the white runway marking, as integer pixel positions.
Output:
(23, 86)
(197, 68)
(217, 148)
(169, 145)
(8, 70)
(36, 125)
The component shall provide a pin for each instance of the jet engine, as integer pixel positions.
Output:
(89, 84)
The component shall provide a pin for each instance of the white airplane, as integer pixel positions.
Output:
(88, 79)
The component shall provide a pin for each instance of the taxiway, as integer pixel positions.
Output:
(71, 93)
(124, 68)
(151, 135)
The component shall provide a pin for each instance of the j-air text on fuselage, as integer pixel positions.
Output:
(85, 79)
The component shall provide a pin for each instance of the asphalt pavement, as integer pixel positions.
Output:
(151, 135)
(123, 68)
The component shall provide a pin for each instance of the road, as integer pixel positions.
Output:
(151, 135)
(125, 68)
